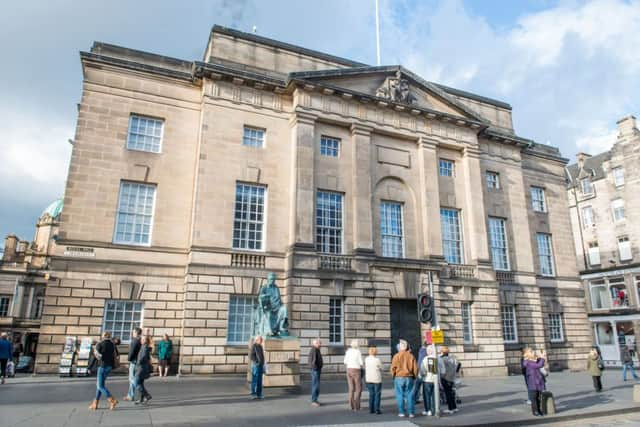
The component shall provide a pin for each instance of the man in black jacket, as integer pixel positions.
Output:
(256, 354)
(134, 349)
(315, 364)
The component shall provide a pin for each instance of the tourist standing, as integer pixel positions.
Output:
(404, 370)
(354, 364)
(256, 354)
(422, 353)
(143, 369)
(134, 349)
(315, 365)
(106, 353)
(535, 379)
(627, 363)
(524, 374)
(448, 366)
(594, 367)
(429, 379)
(373, 379)
(165, 351)
(6, 351)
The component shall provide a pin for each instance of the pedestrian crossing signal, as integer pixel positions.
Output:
(425, 308)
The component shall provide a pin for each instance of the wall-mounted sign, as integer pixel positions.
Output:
(78, 251)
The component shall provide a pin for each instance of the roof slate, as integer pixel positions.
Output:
(593, 163)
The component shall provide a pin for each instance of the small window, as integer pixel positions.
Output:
(253, 137)
(493, 180)
(329, 146)
(594, 253)
(446, 168)
(498, 244)
(4, 306)
(617, 208)
(336, 321)
(134, 216)
(624, 248)
(509, 324)
(538, 201)
(467, 325)
(556, 332)
(120, 317)
(618, 176)
(145, 134)
(391, 230)
(588, 220)
(586, 186)
(599, 297)
(240, 321)
(545, 254)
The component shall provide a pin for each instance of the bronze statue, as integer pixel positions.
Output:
(270, 314)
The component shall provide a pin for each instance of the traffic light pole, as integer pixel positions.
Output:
(434, 323)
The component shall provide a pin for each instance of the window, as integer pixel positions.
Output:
(451, 235)
(134, 217)
(624, 248)
(248, 217)
(336, 320)
(240, 323)
(498, 243)
(545, 254)
(145, 134)
(586, 187)
(618, 292)
(556, 333)
(446, 167)
(588, 220)
(391, 229)
(37, 314)
(329, 146)
(467, 328)
(509, 326)
(4, 306)
(120, 317)
(492, 180)
(253, 137)
(329, 222)
(537, 199)
(594, 253)
(599, 298)
(617, 207)
(618, 176)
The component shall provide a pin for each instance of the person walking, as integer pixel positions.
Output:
(256, 354)
(404, 370)
(535, 379)
(143, 369)
(134, 349)
(373, 379)
(422, 353)
(354, 363)
(594, 368)
(106, 353)
(315, 365)
(165, 351)
(448, 366)
(627, 363)
(6, 351)
(425, 373)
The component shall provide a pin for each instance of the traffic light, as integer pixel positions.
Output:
(425, 308)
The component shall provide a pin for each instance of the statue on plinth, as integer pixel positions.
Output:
(270, 314)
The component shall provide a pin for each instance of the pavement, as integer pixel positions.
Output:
(223, 401)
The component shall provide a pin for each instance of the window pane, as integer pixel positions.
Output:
(135, 213)
(467, 329)
(253, 137)
(145, 134)
(329, 146)
(451, 235)
(248, 217)
(391, 229)
(446, 167)
(240, 318)
(509, 327)
(329, 222)
(335, 321)
(121, 317)
(545, 254)
(498, 243)
(538, 199)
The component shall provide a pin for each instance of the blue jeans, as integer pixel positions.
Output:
(256, 380)
(315, 384)
(624, 371)
(416, 389)
(132, 380)
(375, 389)
(101, 388)
(428, 397)
(404, 392)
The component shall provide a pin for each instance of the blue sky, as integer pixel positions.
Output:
(568, 68)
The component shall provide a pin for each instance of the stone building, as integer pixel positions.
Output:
(605, 213)
(357, 185)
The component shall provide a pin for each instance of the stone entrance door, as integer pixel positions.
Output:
(404, 324)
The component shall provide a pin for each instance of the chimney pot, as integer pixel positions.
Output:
(627, 126)
(10, 246)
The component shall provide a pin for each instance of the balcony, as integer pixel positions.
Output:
(458, 271)
(335, 262)
(505, 277)
(245, 260)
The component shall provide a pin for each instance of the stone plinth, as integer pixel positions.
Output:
(283, 362)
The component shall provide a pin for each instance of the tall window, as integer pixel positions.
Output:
(240, 322)
(145, 134)
(586, 186)
(537, 199)
(493, 180)
(624, 248)
(467, 327)
(336, 321)
(391, 229)
(556, 332)
(451, 235)
(618, 176)
(329, 146)
(248, 217)
(594, 253)
(4, 306)
(498, 242)
(545, 254)
(588, 221)
(329, 222)
(599, 296)
(617, 207)
(120, 317)
(509, 324)
(134, 217)
(253, 137)
(446, 167)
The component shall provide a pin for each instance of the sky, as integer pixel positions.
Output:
(568, 68)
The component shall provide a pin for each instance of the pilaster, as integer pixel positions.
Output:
(361, 189)
(475, 216)
(429, 199)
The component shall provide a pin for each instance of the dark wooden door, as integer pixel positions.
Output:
(405, 324)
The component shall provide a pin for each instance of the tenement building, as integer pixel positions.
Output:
(605, 214)
(357, 185)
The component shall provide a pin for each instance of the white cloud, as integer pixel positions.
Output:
(596, 139)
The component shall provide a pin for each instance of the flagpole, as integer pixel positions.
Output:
(377, 34)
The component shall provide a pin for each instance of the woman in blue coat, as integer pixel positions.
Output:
(535, 379)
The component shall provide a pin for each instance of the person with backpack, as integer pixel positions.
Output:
(6, 351)
(535, 378)
(448, 366)
(107, 355)
(595, 368)
(417, 385)
(143, 369)
(429, 379)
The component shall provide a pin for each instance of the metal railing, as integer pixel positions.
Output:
(505, 277)
(335, 262)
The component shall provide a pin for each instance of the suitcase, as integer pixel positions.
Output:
(547, 403)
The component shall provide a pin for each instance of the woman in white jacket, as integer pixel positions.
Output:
(354, 364)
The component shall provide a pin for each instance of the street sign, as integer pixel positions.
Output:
(437, 336)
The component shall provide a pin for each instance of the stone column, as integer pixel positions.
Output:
(27, 313)
(475, 217)
(429, 199)
(16, 309)
(361, 189)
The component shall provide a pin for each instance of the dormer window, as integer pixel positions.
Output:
(586, 186)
